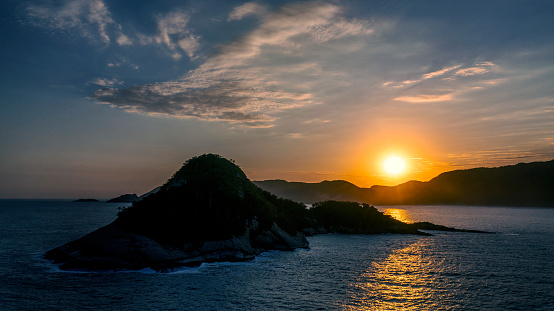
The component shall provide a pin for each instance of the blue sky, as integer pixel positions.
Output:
(104, 97)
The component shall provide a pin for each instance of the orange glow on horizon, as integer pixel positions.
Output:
(417, 144)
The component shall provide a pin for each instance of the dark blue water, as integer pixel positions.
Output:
(509, 270)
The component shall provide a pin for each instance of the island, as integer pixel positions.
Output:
(209, 211)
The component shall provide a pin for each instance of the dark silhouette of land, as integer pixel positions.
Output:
(524, 184)
(125, 198)
(210, 211)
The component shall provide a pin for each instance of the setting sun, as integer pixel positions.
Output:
(394, 165)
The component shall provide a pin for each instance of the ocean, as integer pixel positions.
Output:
(511, 269)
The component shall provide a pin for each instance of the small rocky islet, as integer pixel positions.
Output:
(209, 211)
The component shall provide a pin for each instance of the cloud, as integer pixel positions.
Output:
(172, 24)
(106, 82)
(124, 40)
(292, 27)
(426, 76)
(99, 15)
(91, 19)
(190, 45)
(175, 35)
(122, 62)
(479, 69)
(438, 73)
(217, 103)
(450, 72)
(245, 82)
(449, 77)
(250, 8)
(401, 84)
(425, 98)
(423, 77)
(340, 29)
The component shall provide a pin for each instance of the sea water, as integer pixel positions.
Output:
(509, 270)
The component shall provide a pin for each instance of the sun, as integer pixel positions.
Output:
(394, 165)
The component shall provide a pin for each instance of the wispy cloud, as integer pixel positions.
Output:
(479, 69)
(89, 18)
(250, 8)
(446, 73)
(106, 82)
(438, 73)
(425, 98)
(426, 76)
(122, 62)
(174, 34)
(447, 77)
(242, 84)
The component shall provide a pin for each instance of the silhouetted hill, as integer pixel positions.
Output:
(208, 211)
(524, 184)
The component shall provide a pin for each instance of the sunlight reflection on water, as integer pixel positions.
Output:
(405, 280)
(398, 214)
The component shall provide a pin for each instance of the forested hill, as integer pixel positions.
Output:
(524, 184)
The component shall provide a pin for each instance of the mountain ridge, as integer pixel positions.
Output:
(522, 184)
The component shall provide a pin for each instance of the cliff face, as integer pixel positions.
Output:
(208, 211)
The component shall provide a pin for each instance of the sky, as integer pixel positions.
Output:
(104, 97)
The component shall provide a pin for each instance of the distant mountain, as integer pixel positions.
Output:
(524, 184)
(130, 198)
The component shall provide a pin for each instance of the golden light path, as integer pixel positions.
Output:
(408, 279)
(398, 214)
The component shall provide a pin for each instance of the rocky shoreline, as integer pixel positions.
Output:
(112, 248)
